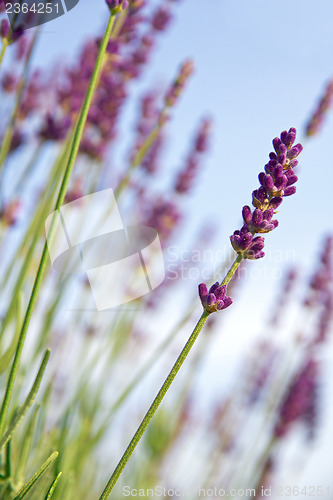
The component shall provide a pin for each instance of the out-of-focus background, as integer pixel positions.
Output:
(260, 67)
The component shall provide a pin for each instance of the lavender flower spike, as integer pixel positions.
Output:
(215, 299)
(276, 182)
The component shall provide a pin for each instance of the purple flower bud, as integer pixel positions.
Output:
(293, 163)
(284, 136)
(294, 151)
(289, 191)
(241, 242)
(117, 5)
(203, 292)
(255, 249)
(161, 19)
(292, 178)
(290, 139)
(275, 202)
(276, 144)
(215, 299)
(280, 182)
(260, 197)
(257, 216)
(247, 214)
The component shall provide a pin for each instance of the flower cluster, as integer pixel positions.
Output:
(178, 85)
(322, 278)
(316, 120)
(276, 182)
(214, 299)
(300, 403)
(187, 175)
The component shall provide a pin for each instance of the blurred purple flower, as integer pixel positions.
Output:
(177, 87)
(117, 5)
(300, 403)
(161, 18)
(317, 119)
(186, 177)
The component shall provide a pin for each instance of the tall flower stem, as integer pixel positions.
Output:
(140, 155)
(232, 270)
(62, 192)
(3, 50)
(8, 137)
(163, 390)
(154, 406)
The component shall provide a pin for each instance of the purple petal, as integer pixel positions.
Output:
(289, 191)
(214, 287)
(294, 151)
(247, 214)
(211, 299)
(268, 214)
(227, 302)
(257, 216)
(203, 292)
(276, 144)
(275, 202)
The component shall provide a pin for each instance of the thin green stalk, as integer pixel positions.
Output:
(163, 390)
(152, 360)
(31, 239)
(26, 446)
(53, 486)
(9, 353)
(154, 406)
(8, 459)
(27, 403)
(137, 160)
(232, 270)
(62, 192)
(3, 49)
(7, 140)
(33, 480)
(13, 372)
(29, 168)
(43, 210)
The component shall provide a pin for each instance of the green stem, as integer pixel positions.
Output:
(137, 160)
(8, 460)
(163, 390)
(53, 486)
(232, 270)
(28, 402)
(9, 353)
(13, 372)
(62, 192)
(154, 406)
(7, 140)
(3, 49)
(27, 487)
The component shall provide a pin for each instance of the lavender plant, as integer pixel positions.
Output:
(73, 119)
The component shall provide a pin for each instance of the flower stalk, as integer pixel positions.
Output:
(60, 199)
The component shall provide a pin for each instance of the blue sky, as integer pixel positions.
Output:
(260, 68)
